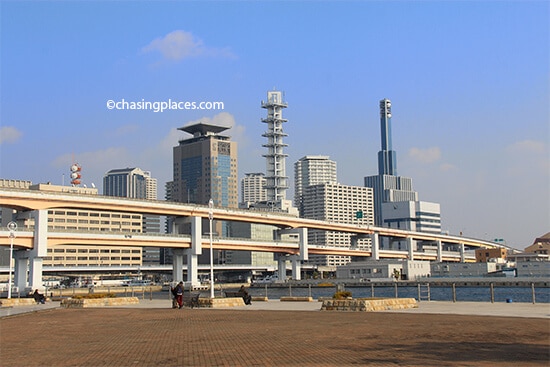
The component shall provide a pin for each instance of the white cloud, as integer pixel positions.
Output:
(223, 118)
(179, 45)
(429, 155)
(446, 167)
(9, 134)
(526, 146)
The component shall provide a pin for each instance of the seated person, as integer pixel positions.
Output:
(38, 298)
(246, 297)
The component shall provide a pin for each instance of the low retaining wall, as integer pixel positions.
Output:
(221, 302)
(368, 304)
(296, 299)
(17, 302)
(99, 302)
(259, 299)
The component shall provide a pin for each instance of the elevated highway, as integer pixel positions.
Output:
(35, 242)
(43, 200)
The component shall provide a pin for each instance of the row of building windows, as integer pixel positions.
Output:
(93, 251)
(93, 214)
(92, 258)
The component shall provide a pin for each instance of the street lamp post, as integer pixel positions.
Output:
(210, 218)
(12, 226)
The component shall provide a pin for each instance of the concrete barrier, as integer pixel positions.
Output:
(98, 302)
(17, 302)
(221, 302)
(296, 299)
(259, 299)
(368, 304)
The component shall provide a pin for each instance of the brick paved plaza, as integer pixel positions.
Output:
(210, 337)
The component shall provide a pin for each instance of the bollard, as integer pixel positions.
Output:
(395, 286)
(418, 286)
(372, 290)
(290, 289)
(492, 293)
(150, 293)
(309, 286)
(533, 292)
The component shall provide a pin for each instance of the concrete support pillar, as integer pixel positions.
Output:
(375, 246)
(192, 268)
(195, 250)
(296, 267)
(40, 248)
(410, 247)
(304, 254)
(281, 268)
(177, 264)
(462, 253)
(21, 267)
(439, 251)
(35, 273)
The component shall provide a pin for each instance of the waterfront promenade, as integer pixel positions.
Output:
(276, 333)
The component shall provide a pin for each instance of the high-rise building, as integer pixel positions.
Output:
(276, 179)
(339, 204)
(137, 184)
(253, 189)
(387, 161)
(130, 183)
(205, 167)
(396, 204)
(311, 170)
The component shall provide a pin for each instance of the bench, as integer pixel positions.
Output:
(245, 296)
(191, 299)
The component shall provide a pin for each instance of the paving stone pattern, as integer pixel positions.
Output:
(214, 337)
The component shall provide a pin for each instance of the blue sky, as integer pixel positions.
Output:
(469, 84)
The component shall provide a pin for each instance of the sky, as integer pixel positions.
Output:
(469, 83)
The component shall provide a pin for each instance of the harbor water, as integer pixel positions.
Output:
(436, 293)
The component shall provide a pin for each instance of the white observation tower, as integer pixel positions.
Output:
(276, 179)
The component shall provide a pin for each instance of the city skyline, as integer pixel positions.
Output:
(468, 83)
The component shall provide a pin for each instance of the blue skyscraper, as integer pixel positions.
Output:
(396, 204)
(387, 162)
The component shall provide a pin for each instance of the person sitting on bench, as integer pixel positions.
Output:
(246, 297)
(39, 298)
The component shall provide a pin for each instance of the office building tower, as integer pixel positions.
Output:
(388, 187)
(130, 183)
(253, 189)
(137, 184)
(276, 179)
(311, 170)
(339, 204)
(396, 204)
(387, 161)
(205, 166)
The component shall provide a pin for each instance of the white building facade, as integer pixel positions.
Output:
(420, 216)
(312, 170)
(384, 269)
(253, 189)
(340, 204)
